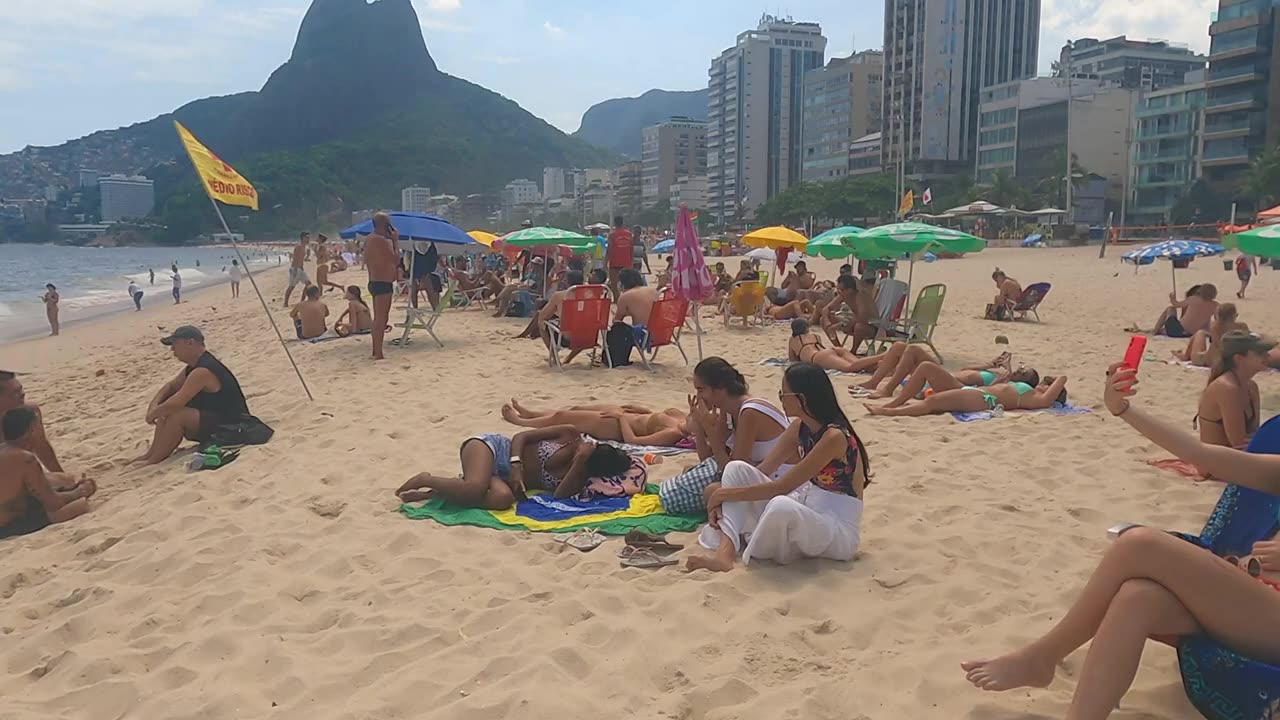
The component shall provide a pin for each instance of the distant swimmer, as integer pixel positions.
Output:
(153, 276)
(135, 293)
(297, 271)
(50, 299)
(177, 284)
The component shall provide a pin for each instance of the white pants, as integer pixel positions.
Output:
(809, 522)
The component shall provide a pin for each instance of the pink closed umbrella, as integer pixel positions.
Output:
(690, 279)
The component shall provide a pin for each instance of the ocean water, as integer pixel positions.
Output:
(92, 281)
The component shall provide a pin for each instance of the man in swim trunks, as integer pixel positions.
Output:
(636, 301)
(1246, 267)
(309, 315)
(322, 266)
(797, 282)
(11, 397)
(297, 272)
(30, 498)
(382, 255)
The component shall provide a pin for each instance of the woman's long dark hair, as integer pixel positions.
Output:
(817, 396)
(717, 374)
(353, 291)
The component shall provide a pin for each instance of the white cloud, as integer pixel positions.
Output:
(553, 30)
(1178, 21)
(89, 12)
(444, 5)
(497, 59)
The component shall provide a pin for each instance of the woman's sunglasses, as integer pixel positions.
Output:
(1253, 566)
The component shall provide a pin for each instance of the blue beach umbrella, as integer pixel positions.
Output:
(1034, 240)
(422, 227)
(1171, 250)
(665, 246)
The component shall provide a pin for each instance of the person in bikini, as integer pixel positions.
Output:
(497, 470)
(780, 310)
(902, 359)
(322, 266)
(357, 319)
(31, 498)
(1009, 396)
(806, 346)
(938, 379)
(1204, 348)
(1231, 405)
(618, 423)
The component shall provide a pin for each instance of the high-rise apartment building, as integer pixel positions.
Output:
(670, 150)
(627, 189)
(415, 199)
(1166, 149)
(558, 183)
(125, 197)
(755, 114)
(520, 192)
(938, 55)
(841, 104)
(1131, 64)
(1241, 117)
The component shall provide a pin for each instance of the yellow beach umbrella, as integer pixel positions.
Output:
(482, 237)
(775, 237)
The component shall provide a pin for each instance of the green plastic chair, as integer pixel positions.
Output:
(917, 329)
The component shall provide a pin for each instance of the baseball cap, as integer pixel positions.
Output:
(186, 332)
(1239, 342)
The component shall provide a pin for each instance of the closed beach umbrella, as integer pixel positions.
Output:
(833, 244)
(775, 237)
(1171, 250)
(482, 237)
(689, 276)
(1261, 241)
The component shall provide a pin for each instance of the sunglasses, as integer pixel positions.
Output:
(1253, 566)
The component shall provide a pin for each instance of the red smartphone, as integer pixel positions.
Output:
(1133, 356)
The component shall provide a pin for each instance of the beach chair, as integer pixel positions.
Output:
(471, 297)
(891, 297)
(919, 328)
(418, 318)
(1220, 683)
(746, 301)
(665, 323)
(1029, 301)
(583, 322)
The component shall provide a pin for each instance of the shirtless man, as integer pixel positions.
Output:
(1197, 310)
(798, 282)
(322, 266)
(551, 310)
(860, 299)
(297, 272)
(30, 498)
(636, 301)
(382, 255)
(1009, 292)
(309, 315)
(11, 397)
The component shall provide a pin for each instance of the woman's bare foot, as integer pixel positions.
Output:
(1021, 668)
(708, 562)
(878, 410)
(880, 395)
(524, 411)
(868, 385)
(510, 415)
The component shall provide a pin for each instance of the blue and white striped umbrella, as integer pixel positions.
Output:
(665, 246)
(1171, 250)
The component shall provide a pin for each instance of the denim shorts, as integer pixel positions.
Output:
(500, 446)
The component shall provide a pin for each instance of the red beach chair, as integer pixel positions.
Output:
(665, 323)
(583, 322)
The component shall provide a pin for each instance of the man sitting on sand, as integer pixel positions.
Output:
(11, 397)
(30, 498)
(202, 397)
(309, 315)
(1196, 311)
(1010, 291)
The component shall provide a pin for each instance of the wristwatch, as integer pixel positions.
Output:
(515, 460)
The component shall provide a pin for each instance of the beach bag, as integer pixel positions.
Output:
(621, 341)
(247, 430)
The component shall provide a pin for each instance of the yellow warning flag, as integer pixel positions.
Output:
(220, 180)
(908, 202)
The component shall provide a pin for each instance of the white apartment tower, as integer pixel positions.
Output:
(755, 114)
(938, 55)
(415, 199)
(125, 197)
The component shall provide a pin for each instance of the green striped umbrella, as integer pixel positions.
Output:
(833, 244)
(542, 236)
(891, 241)
(1261, 241)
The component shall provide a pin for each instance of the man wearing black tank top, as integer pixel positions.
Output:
(192, 405)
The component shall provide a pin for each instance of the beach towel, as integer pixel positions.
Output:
(661, 450)
(542, 513)
(988, 415)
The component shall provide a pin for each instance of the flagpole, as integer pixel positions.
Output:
(261, 299)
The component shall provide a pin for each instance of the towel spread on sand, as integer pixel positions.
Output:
(544, 513)
(642, 450)
(988, 415)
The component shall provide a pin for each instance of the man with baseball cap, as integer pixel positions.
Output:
(192, 405)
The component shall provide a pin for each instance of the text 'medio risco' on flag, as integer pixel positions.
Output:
(220, 180)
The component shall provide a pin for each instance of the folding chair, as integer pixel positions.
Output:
(417, 318)
(1029, 301)
(663, 329)
(746, 301)
(891, 296)
(583, 322)
(920, 326)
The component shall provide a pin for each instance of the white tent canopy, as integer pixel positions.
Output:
(977, 207)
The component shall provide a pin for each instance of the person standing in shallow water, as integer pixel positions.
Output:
(51, 299)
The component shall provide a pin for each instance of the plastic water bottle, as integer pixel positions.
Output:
(651, 459)
(195, 462)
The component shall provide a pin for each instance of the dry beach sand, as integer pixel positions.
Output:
(287, 585)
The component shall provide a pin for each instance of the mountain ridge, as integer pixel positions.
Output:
(616, 124)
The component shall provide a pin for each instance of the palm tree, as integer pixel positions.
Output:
(1262, 182)
(1006, 190)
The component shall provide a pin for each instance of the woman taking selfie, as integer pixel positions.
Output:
(812, 510)
(1152, 584)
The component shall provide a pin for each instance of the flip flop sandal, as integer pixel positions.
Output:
(860, 392)
(585, 540)
(641, 539)
(646, 558)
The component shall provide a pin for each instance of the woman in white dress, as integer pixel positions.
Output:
(812, 510)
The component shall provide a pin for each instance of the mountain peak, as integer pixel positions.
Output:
(332, 27)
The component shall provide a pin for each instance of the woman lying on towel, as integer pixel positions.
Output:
(779, 309)
(806, 346)
(1203, 348)
(497, 470)
(938, 379)
(1010, 396)
(902, 359)
(812, 510)
(1151, 584)
(1230, 405)
(619, 423)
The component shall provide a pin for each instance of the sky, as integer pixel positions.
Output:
(71, 67)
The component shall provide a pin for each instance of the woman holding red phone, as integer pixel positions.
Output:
(1151, 584)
